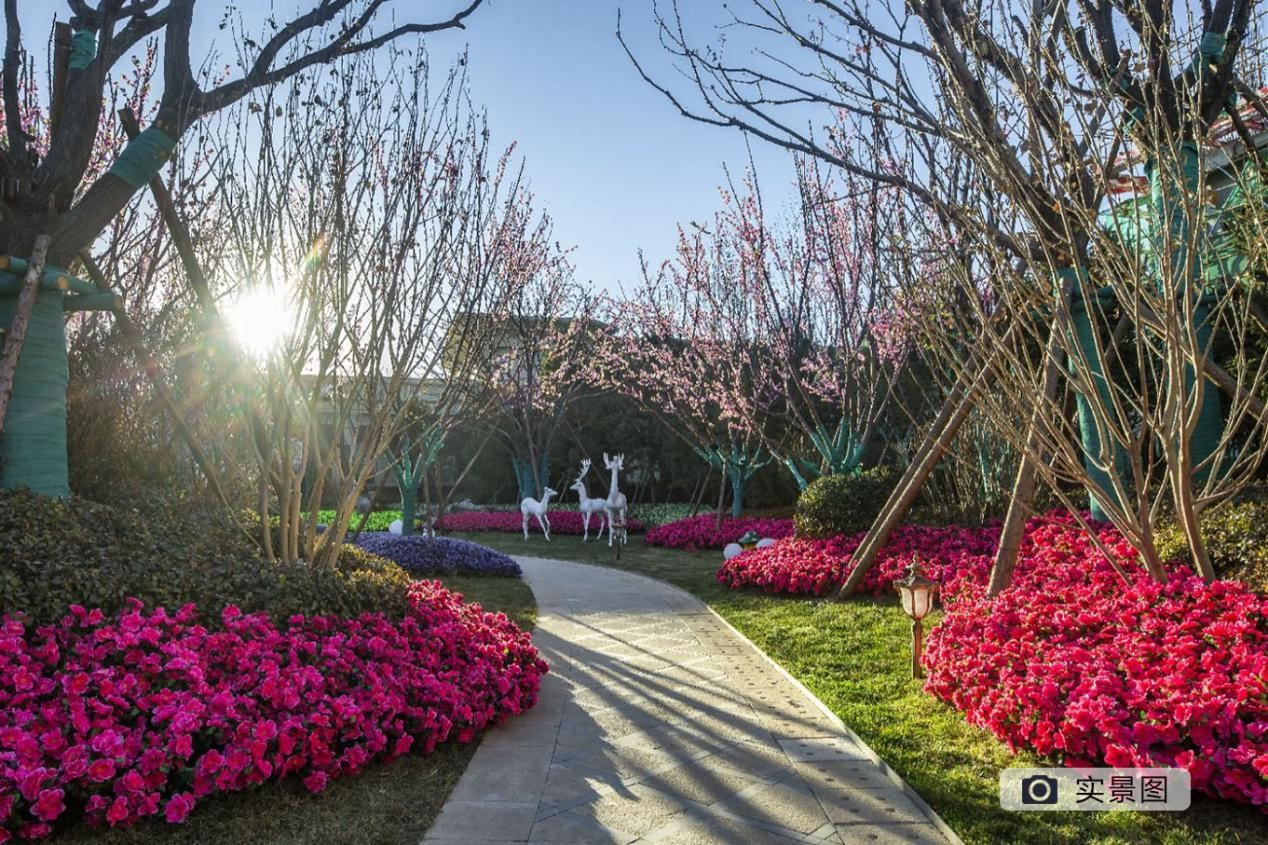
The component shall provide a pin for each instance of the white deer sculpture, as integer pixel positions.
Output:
(532, 507)
(616, 499)
(588, 506)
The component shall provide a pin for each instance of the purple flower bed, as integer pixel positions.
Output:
(701, 532)
(421, 555)
(561, 522)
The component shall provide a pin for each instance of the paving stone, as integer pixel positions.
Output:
(824, 748)
(486, 783)
(720, 831)
(627, 762)
(573, 829)
(786, 805)
(832, 775)
(565, 786)
(869, 806)
(897, 834)
(474, 821)
(763, 760)
(638, 810)
(699, 781)
(509, 756)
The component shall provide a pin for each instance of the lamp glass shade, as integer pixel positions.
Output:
(908, 596)
(921, 602)
(916, 593)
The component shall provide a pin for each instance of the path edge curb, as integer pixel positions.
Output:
(895, 778)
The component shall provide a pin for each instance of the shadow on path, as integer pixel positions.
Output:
(659, 723)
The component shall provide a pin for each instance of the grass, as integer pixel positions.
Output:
(855, 656)
(387, 804)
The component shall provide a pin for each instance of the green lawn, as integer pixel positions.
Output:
(855, 656)
(387, 804)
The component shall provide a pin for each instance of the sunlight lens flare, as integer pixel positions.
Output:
(260, 320)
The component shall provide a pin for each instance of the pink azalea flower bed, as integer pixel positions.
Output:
(561, 522)
(817, 567)
(149, 712)
(1071, 662)
(701, 532)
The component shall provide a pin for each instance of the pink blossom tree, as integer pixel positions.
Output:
(683, 347)
(536, 341)
(828, 332)
(763, 340)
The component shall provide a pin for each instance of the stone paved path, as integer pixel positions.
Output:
(658, 723)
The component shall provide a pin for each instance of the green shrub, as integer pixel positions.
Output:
(54, 554)
(1236, 537)
(843, 504)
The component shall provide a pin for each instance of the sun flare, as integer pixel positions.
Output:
(260, 320)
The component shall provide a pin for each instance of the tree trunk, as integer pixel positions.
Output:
(1024, 487)
(717, 520)
(19, 323)
(737, 492)
(1085, 330)
(33, 379)
(1174, 185)
(955, 410)
(409, 498)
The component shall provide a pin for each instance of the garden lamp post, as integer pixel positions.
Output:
(917, 593)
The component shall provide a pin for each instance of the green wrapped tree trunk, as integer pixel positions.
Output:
(1173, 189)
(410, 472)
(409, 508)
(33, 446)
(738, 480)
(531, 487)
(1085, 328)
(738, 466)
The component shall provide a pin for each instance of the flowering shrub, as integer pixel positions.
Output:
(561, 522)
(438, 555)
(816, 567)
(147, 712)
(1071, 662)
(701, 532)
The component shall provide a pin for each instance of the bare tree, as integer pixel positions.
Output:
(55, 184)
(1049, 111)
(369, 213)
(543, 338)
(46, 193)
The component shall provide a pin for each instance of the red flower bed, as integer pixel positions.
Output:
(147, 713)
(817, 567)
(561, 522)
(1071, 662)
(701, 532)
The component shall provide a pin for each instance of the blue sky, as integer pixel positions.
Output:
(614, 163)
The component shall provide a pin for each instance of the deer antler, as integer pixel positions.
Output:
(585, 467)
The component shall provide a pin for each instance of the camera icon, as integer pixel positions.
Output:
(1038, 789)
